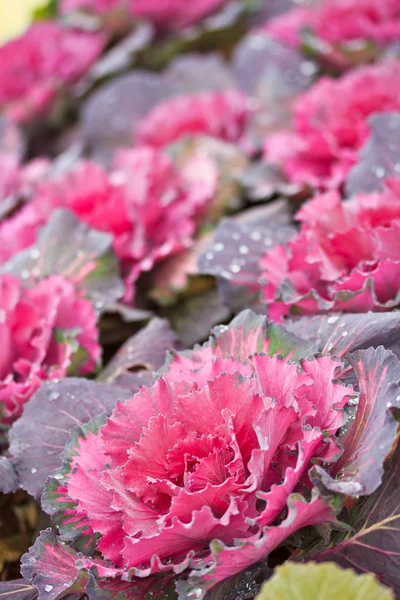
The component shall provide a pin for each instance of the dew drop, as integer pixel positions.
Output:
(25, 274)
(268, 242)
(196, 593)
(307, 68)
(257, 42)
(388, 404)
(35, 253)
(379, 172)
(48, 587)
(332, 320)
(236, 236)
(256, 236)
(209, 256)
(345, 333)
(243, 249)
(398, 398)
(219, 246)
(235, 268)
(54, 396)
(33, 470)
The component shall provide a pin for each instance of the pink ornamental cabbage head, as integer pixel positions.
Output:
(174, 13)
(330, 124)
(346, 257)
(46, 331)
(339, 21)
(207, 469)
(36, 67)
(165, 14)
(219, 114)
(144, 202)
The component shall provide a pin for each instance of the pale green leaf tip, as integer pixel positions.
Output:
(313, 581)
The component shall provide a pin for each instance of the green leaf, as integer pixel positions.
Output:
(313, 581)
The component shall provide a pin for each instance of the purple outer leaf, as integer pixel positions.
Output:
(120, 57)
(274, 74)
(68, 247)
(379, 157)
(39, 436)
(21, 590)
(260, 58)
(339, 334)
(373, 546)
(17, 590)
(141, 355)
(236, 254)
(50, 567)
(8, 477)
(193, 319)
(109, 117)
(372, 434)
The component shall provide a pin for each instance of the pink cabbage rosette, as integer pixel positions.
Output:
(38, 66)
(346, 257)
(47, 331)
(164, 14)
(339, 21)
(218, 114)
(204, 472)
(148, 206)
(330, 124)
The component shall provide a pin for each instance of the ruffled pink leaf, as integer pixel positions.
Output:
(72, 52)
(220, 114)
(327, 136)
(120, 433)
(229, 559)
(177, 540)
(246, 334)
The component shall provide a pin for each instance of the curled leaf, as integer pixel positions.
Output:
(373, 432)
